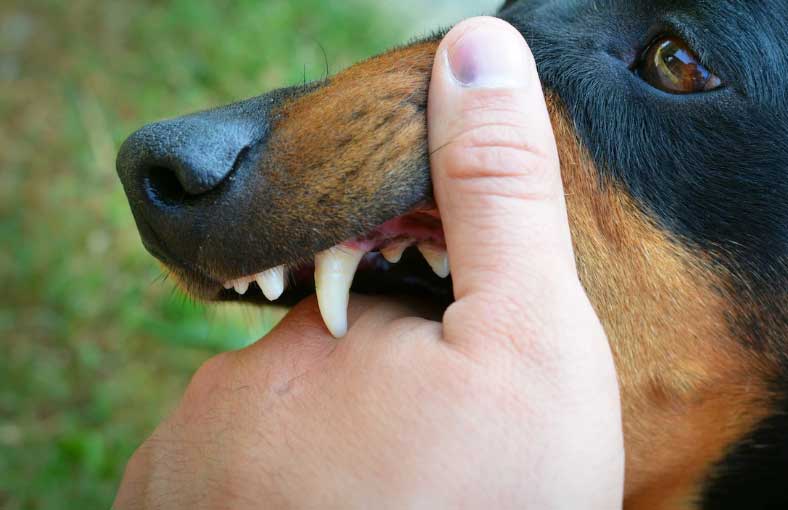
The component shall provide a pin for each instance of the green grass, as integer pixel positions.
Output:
(96, 348)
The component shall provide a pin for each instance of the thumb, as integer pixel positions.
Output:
(497, 180)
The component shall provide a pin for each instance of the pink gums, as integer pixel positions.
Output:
(419, 226)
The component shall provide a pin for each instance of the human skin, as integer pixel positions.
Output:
(509, 400)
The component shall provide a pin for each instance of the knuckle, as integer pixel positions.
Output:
(476, 176)
(140, 459)
(508, 324)
(213, 367)
(415, 328)
(492, 107)
(209, 375)
(499, 152)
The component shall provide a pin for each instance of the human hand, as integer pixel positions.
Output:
(511, 401)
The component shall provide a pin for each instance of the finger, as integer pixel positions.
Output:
(496, 172)
(305, 319)
(301, 338)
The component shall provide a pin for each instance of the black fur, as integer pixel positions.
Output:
(755, 472)
(710, 168)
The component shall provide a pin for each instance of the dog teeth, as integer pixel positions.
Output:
(334, 272)
(393, 252)
(241, 286)
(272, 282)
(437, 258)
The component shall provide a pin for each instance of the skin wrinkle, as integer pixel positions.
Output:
(695, 346)
(673, 381)
(658, 321)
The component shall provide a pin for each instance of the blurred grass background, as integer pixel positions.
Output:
(95, 347)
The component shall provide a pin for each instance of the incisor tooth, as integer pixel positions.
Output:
(241, 286)
(437, 258)
(393, 252)
(334, 271)
(272, 282)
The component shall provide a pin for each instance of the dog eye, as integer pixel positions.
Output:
(671, 66)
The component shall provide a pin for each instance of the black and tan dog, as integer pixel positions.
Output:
(671, 118)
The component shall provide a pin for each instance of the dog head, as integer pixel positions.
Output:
(670, 118)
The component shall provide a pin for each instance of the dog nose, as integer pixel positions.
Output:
(175, 160)
(173, 171)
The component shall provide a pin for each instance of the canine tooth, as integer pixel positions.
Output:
(393, 252)
(272, 282)
(437, 258)
(334, 272)
(241, 286)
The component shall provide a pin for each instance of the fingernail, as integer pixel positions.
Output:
(489, 56)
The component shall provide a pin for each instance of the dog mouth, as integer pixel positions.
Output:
(404, 256)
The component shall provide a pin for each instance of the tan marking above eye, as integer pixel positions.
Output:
(671, 66)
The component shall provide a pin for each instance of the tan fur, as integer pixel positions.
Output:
(689, 389)
(335, 150)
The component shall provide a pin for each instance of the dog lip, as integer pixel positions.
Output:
(419, 230)
(421, 225)
(412, 276)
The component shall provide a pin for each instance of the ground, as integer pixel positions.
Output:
(96, 347)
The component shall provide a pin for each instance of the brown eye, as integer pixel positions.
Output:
(670, 65)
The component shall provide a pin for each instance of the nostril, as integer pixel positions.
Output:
(163, 187)
(181, 162)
